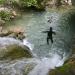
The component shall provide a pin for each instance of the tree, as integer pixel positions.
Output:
(31, 3)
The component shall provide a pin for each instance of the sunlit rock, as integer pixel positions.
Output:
(13, 14)
(66, 2)
(4, 9)
(16, 33)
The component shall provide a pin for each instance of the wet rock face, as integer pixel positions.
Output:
(13, 49)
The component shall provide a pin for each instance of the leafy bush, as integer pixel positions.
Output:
(5, 15)
(31, 3)
(2, 1)
(28, 3)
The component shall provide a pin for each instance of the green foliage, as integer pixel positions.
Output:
(5, 15)
(2, 1)
(14, 3)
(31, 3)
(28, 3)
(23, 3)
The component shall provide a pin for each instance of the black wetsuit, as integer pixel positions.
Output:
(49, 35)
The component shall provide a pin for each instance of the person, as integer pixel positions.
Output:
(49, 35)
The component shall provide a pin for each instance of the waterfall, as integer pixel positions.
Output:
(46, 64)
(28, 44)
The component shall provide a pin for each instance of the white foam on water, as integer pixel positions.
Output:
(28, 44)
(46, 64)
(9, 41)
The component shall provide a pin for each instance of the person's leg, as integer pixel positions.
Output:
(51, 40)
(47, 40)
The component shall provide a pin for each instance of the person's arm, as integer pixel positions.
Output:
(44, 31)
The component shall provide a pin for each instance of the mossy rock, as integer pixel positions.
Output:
(66, 69)
(15, 52)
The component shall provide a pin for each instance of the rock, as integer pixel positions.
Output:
(14, 52)
(4, 9)
(16, 30)
(13, 49)
(19, 67)
(67, 69)
(29, 67)
(15, 33)
(19, 36)
(1, 28)
(2, 22)
(14, 14)
(4, 33)
(66, 2)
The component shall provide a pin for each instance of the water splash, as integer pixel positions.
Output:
(46, 64)
(4, 41)
(28, 44)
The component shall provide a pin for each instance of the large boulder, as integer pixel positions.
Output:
(14, 52)
(15, 58)
(13, 49)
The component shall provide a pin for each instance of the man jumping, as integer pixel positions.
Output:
(49, 35)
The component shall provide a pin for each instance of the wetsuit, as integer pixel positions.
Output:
(49, 35)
